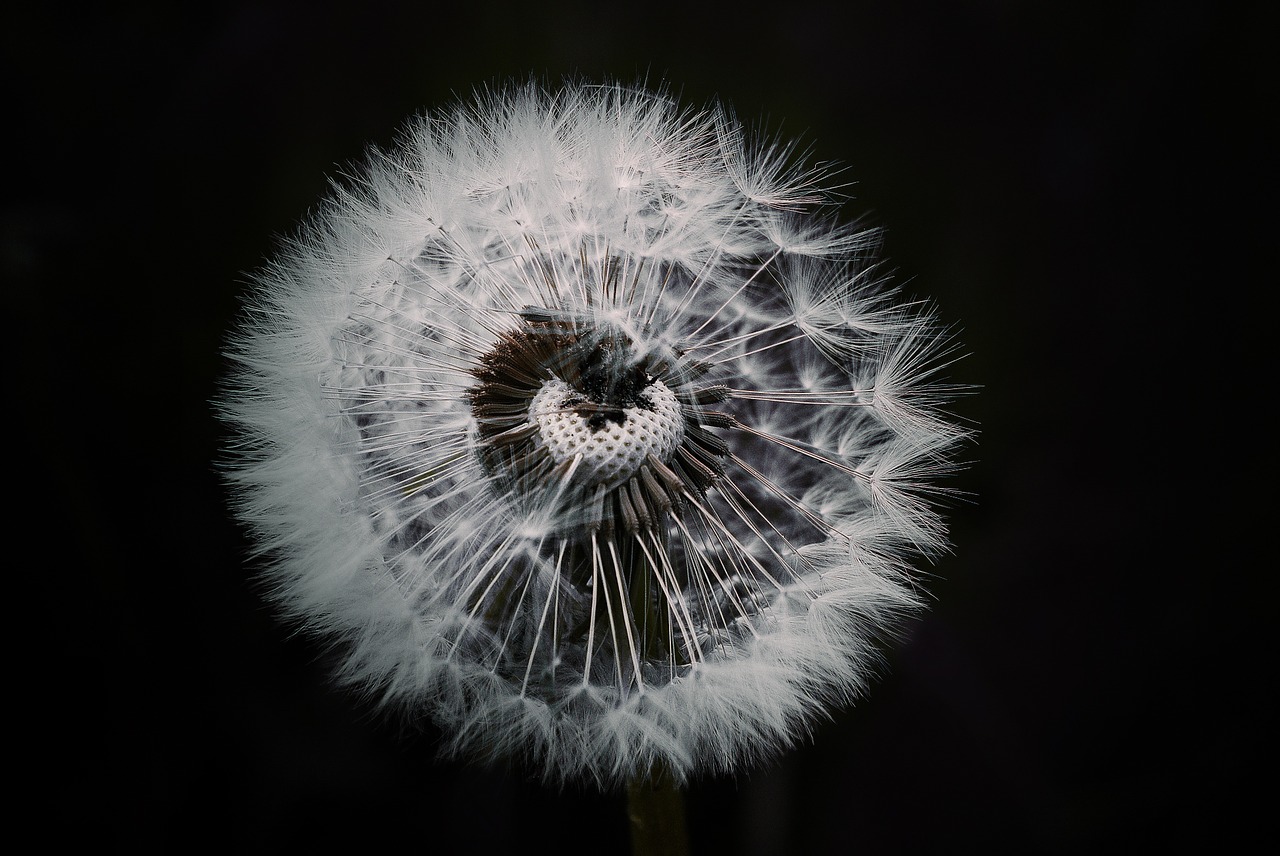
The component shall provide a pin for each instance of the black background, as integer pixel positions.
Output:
(1072, 184)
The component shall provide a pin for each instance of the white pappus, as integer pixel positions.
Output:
(579, 424)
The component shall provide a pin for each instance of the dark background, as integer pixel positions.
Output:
(1073, 185)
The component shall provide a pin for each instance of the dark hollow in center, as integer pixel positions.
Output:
(608, 383)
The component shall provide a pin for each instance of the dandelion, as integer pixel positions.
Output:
(579, 424)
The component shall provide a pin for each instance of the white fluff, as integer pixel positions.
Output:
(398, 528)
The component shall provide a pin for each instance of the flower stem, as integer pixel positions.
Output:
(656, 809)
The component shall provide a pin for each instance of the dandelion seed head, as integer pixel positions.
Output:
(579, 425)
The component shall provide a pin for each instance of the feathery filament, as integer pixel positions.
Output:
(578, 426)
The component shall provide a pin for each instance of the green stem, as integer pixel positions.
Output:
(656, 809)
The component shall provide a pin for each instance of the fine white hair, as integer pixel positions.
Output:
(601, 262)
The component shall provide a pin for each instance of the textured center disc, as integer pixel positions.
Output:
(613, 442)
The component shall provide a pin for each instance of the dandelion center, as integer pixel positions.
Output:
(612, 443)
(576, 416)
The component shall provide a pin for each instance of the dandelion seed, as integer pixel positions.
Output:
(579, 426)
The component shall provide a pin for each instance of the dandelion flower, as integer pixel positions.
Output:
(577, 423)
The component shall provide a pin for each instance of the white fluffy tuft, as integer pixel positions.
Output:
(695, 598)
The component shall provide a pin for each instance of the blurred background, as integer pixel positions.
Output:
(1071, 183)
